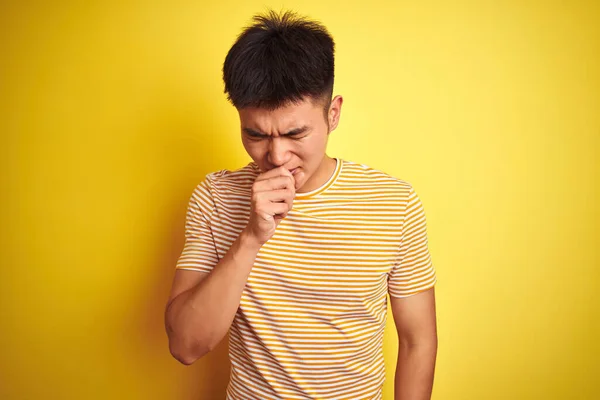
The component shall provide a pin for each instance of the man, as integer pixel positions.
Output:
(295, 253)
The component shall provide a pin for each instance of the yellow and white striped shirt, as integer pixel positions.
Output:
(312, 315)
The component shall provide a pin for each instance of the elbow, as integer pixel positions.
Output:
(183, 357)
(186, 347)
(187, 350)
(188, 353)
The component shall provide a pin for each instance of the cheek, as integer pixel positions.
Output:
(312, 147)
(254, 148)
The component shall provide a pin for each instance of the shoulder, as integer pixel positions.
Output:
(225, 181)
(223, 190)
(364, 174)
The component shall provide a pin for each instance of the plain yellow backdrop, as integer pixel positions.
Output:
(112, 112)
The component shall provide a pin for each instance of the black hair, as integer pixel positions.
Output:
(280, 59)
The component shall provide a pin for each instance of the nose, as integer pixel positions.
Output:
(278, 154)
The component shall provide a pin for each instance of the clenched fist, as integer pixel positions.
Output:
(272, 198)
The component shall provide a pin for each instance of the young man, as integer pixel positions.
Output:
(295, 253)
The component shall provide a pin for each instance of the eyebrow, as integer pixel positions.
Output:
(256, 133)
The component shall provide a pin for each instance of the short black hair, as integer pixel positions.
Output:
(280, 59)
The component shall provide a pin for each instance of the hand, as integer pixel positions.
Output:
(272, 198)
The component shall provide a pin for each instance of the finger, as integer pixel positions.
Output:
(280, 182)
(276, 196)
(287, 198)
(279, 171)
(277, 209)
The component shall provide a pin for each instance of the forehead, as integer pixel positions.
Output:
(288, 116)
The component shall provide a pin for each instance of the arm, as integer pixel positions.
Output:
(415, 320)
(202, 306)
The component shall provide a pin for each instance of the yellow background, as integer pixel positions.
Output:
(112, 112)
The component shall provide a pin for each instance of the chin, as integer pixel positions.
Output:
(301, 182)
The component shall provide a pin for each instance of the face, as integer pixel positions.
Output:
(294, 136)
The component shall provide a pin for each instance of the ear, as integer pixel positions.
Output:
(335, 109)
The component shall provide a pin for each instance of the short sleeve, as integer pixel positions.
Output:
(413, 271)
(199, 251)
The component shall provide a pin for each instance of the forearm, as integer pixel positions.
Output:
(198, 319)
(414, 371)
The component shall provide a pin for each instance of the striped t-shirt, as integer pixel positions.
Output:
(312, 314)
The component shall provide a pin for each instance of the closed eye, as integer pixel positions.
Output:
(294, 133)
(297, 135)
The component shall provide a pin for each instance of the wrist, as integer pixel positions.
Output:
(249, 241)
